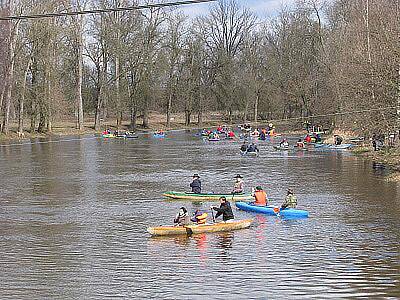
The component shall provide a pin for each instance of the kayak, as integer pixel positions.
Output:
(277, 147)
(109, 135)
(207, 197)
(334, 147)
(195, 229)
(269, 210)
(159, 135)
(213, 140)
(252, 154)
(131, 136)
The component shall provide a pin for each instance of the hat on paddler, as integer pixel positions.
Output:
(258, 188)
(196, 175)
(238, 176)
(290, 191)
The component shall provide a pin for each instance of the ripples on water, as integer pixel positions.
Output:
(73, 220)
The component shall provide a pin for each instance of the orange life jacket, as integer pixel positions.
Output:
(261, 198)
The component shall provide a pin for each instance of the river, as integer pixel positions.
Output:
(74, 213)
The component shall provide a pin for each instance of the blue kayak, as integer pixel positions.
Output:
(269, 210)
(159, 135)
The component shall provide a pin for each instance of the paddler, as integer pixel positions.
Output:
(239, 185)
(243, 148)
(307, 139)
(196, 184)
(290, 200)
(299, 144)
(182, 217)
(338, 139)
(261, 197)
(231, 134)
(224, 209)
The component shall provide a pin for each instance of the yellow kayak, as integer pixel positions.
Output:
(195, 229)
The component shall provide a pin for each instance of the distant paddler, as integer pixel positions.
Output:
(284, 143)
(231, 134)
(299, 144)
(224, 209)
(252, 148)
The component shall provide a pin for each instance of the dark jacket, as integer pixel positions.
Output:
(196, 186)
(225, 210)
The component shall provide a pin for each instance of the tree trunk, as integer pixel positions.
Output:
(169, 106)
(133, 117)
(200, 112)
(256, 107)
(22, 100)
(79, 67)
(146, 111)
(117, 92)
(12, 40)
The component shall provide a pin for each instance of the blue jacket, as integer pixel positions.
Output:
(196, 186)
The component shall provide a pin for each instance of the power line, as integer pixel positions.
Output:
(106, 10)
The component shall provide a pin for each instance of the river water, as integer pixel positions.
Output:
(74, 213)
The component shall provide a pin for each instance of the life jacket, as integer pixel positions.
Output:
(261, 198)
(200, 218)
(308, 139)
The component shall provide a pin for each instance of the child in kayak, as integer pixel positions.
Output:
(290, 200)
(182, 217)
(199, 217)
(224, 209)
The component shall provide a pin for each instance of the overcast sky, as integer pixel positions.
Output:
(261, 7)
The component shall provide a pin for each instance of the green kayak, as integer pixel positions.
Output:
(207, 197)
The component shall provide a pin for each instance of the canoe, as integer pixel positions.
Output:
(195, 229)
(269, 210)
(207, 197)
(132, 136)
(277, 147)
(251, 154)
(333, 147)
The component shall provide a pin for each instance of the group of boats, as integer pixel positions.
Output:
(242, 201)
(108, 134)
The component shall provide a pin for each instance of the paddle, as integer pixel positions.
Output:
(212, 213)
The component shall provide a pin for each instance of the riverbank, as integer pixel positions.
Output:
(388, 157)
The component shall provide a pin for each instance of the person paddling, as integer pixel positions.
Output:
(196, 184)
(224, 209)
(243, 148)
(182, 217)
(239, 185)
(290, 200)
(299, 144)
(261, 197)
